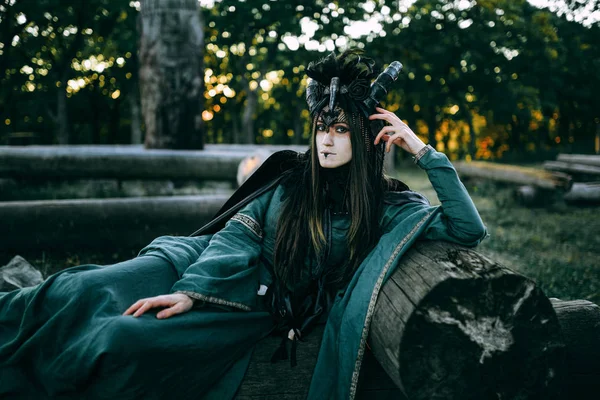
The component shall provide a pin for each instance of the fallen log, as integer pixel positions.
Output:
(572, 168)
(532, 196)
(580, 325)
(449, 324)
(101, 224)
(513, 174)
(73, 162)
(466, 328)
(586, 159)
(583, 193)
(580, 193)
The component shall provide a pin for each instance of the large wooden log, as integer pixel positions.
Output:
(580, 193)
(514, 174)
(586, 159)
(580, 325)
(101, 224)
(572, 168)
(449, 324)
(73, 162)
(216, 162)
(466, 328)
(583, 193)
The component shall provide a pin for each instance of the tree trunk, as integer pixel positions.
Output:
(472, 137)
(62, 117)
(136, 122)
(432, 126)
(172, 73)
(249, 115)
(298, 125)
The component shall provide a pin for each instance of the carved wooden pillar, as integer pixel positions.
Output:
(172, 73)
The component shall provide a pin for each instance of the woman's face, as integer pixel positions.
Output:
(333, 144)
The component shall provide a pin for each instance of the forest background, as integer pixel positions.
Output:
(503, 80)
(486, 79)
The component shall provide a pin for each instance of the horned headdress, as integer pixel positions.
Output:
(341, 88)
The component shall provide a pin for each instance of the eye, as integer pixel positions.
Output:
(342, 129)
(321, 127)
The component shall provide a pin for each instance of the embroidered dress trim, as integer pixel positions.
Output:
(214, 300)
(371, 309)
(422, 152)
(249, 223)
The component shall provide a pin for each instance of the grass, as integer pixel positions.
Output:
(556, 246)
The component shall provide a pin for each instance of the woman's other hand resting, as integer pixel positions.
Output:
(176, 303)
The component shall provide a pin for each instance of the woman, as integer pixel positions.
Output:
(309, 238)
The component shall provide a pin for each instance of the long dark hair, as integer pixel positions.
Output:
(300, 226)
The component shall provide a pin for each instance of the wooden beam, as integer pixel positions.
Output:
(513, 174)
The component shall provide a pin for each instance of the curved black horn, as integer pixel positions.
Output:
(379, 88)
(333, 90)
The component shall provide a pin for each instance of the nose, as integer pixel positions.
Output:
(328, 138)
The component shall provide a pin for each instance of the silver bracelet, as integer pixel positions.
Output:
(422, 152)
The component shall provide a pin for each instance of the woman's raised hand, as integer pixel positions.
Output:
(176, 303)
(396, 132)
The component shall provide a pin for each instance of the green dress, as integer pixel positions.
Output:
(66, 338)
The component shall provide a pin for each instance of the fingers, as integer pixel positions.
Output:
(141, 306)
(383, 134)
(169, 312)
(391, 140)
(134, 307)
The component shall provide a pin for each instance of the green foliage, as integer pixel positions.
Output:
(482, 79)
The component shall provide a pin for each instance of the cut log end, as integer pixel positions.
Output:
(452, 347)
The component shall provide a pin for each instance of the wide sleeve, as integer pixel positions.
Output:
(458, 220)
(226, 272)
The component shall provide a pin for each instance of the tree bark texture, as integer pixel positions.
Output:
(172, 73)
(451, 324)
(101, 224)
